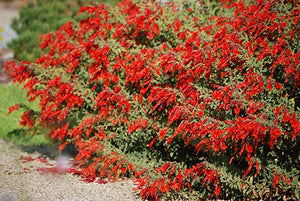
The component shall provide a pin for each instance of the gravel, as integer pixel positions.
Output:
(24, 177)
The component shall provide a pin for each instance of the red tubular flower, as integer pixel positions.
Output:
(27, 119)
(13, 108)
(276, 179)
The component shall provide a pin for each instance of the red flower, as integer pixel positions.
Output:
(276, 179)
(13, 108)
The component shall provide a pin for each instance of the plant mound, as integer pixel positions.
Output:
(194, 99)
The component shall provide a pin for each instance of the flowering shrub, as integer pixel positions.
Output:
(192, 99)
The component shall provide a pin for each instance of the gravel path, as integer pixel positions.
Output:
(28, 177)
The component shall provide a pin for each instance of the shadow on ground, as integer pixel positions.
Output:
(50, 151)
(31, 143)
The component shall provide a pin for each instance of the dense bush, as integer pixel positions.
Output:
(196, 99)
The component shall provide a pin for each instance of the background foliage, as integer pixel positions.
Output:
(195, 100)
(40, 17)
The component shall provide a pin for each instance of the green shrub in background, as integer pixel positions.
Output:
(41, 17)
(194, 99)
